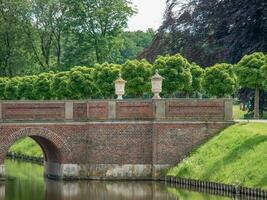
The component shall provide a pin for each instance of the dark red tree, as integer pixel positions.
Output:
(211, 31)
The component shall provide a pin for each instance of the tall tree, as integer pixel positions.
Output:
(102, 21)
(15, 53)
(45, 26)
(134, 43)
(249, 72)
(211, 31)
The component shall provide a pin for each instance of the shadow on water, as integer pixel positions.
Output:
(27, 183)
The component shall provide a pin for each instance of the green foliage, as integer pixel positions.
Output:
(3, 82)
(176, 71)
(134, 43)
(219, 80)
(42, 86)
(101, 22)
(60, 85)
(81, 83)
(197, 75)
(26, 87)
(236, 156)
(105, 75)
(137, 74)
(248, 70)
(264, 72)
(98, 81)
(42, 35)
(11, 89)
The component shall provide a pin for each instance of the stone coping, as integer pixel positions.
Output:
(111, 122)
(116, 100)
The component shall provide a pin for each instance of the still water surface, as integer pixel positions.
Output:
(26, 182)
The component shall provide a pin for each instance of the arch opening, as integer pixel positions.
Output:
(54, 149)
(36, 147)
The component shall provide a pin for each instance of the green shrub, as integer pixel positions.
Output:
(26, 87)
(176, 71)
(219, 80)
(81, 83)
(60, 85)
(105, 75)
(11, 89)
(137, 74)
(42, 86)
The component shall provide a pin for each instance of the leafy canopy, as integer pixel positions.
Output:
(248, 70)
(105, 76)
(137, 74)
(264, 72)
(81, 83)
(176, 71)
(60, 85)
(219, 80)
(197, 75)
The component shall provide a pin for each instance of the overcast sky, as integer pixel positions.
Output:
(150, 14)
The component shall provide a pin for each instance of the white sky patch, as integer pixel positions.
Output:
(150, 15)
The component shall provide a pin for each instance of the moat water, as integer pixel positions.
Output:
(26, 182)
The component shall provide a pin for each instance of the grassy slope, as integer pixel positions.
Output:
(238, 155)
(27, 146)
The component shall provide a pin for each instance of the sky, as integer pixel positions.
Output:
(150, 15)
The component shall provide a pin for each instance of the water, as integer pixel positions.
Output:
(26, 182)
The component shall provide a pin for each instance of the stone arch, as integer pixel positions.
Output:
(55, 148)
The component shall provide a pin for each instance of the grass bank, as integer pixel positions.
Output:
(28, 147)
(239, 114)
(238, 155)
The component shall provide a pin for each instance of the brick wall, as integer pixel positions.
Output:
(33, 111)
(86, 143)
(134, 110)
(95, 110)
(195, 110)
(79, 111)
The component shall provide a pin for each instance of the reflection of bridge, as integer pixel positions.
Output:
(77, 190)
(109, 138)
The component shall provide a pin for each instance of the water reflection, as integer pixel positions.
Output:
(2, 191)
(26, 182)
(107, 190)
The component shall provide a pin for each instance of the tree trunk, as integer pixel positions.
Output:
(256, 104)
(244, 106)
(97, 51)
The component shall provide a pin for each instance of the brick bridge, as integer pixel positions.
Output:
(112, 138)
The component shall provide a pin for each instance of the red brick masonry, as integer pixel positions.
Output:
(111, 134)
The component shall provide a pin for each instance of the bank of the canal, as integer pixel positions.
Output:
(236, 156)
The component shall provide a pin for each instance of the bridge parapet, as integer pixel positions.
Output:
(110, 110)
